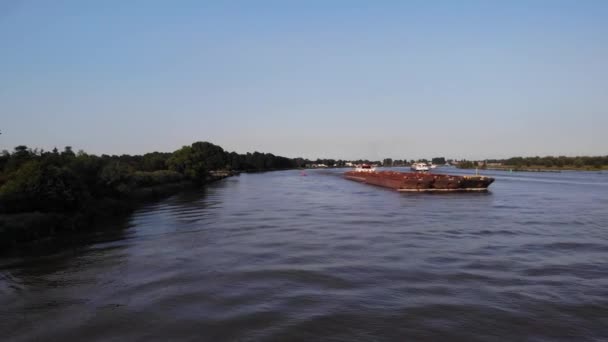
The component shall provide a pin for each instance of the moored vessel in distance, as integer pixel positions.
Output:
(365, 168)
(419, 167)
(419, 181)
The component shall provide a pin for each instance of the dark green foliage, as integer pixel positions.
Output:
(466, 164)
(154, 161)
(438, 160)
(301, 162)
(184, 162)
(68, 153)
(581, 162)
(41, 186)
(234, 160)
(211, 156)
(257, 161)
(115, 177)
(197, 160)
(20, 156)
(145, 178)
(330, 162)
(66, 182)
(550, 161)
(88, 168)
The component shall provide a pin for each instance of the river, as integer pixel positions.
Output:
(286, 257)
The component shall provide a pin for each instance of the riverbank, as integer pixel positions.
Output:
(34, 227)
(541, 168)
(27, 227)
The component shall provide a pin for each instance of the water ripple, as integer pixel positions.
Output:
(277, 256)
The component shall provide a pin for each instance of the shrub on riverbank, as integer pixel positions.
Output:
(583, 163)
(44, 192)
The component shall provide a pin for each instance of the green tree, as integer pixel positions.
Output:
(235, 161)
(67, 152)
(438, 160)
(466, 164)
(154, 161)
(212, 156)
(43, 187)
(197, 160)
(180, 161)
(115, 177)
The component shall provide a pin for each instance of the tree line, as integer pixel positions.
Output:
(405, 162)
(579, 162)
(560, 161)
(68, 181)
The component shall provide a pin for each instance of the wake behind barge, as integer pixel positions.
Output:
(419, 182)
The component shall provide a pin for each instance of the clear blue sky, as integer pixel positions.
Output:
(340, 79)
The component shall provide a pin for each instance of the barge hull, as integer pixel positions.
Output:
(445, 190)
(419, 182)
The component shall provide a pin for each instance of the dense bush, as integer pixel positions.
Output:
(35, 180)
(43, 187)
(150, 178)
(580, 162)
(550, 161)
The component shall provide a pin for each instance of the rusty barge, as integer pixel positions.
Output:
(419, 181)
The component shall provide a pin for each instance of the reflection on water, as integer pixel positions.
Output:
(280, 256)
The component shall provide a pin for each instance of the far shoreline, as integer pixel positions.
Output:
(533, 168)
